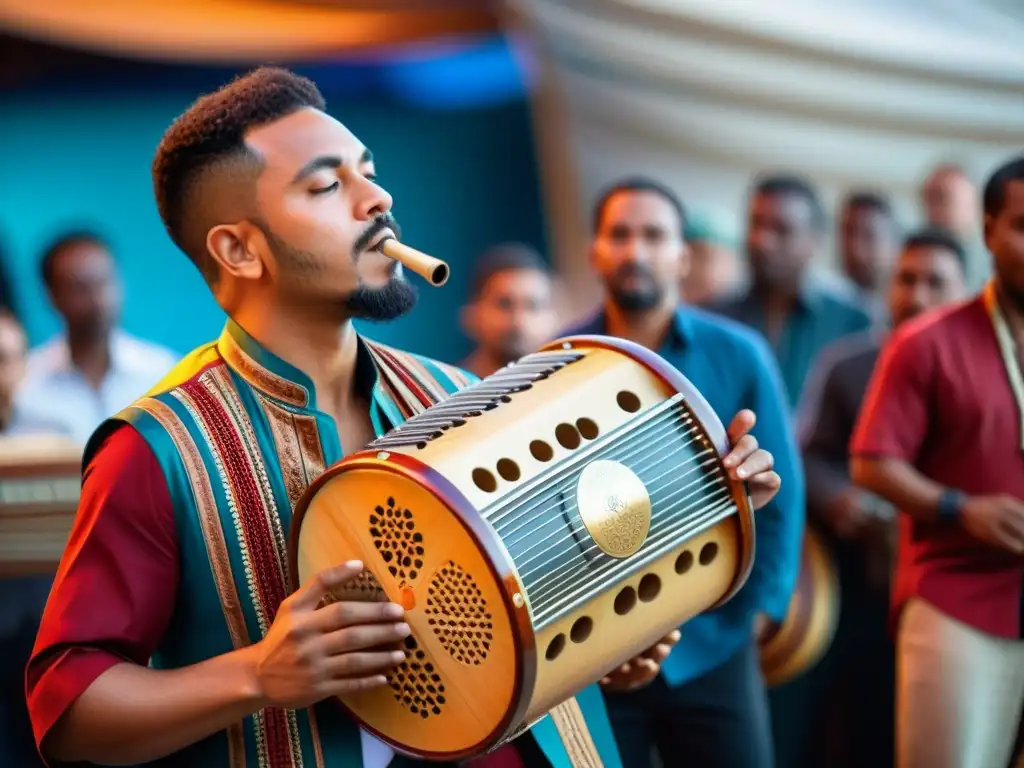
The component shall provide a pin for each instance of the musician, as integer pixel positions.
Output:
(510, 313)
(708, 702)
(941, 437)
(177, 551)
(857, 674)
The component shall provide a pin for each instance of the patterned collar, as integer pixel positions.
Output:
(1007, 349)
(268, 373)
(396, 383)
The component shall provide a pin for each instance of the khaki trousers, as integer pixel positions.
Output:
(960, 693)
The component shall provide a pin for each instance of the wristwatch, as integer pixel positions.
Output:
(951, 502)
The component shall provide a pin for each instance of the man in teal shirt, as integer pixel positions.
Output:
(708, 703)
(795, 309)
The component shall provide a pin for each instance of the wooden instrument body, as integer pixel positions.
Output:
(513, 608)
(807, 631)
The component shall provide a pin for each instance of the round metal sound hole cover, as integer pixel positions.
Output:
(615, 507)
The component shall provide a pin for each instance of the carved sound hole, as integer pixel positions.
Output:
(396, 538)
(363, 588)
(416, 684)
(458, 613)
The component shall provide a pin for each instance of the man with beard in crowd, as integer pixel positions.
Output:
(707, 704)
(941, 437)
(791, 305)
(509, 312)
(868, 244)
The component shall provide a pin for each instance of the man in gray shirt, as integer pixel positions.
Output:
(857, 674)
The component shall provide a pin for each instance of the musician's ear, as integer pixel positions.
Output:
(592, 256)
(237, 248)
(685, 260)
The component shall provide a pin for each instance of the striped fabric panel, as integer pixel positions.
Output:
(413, 382)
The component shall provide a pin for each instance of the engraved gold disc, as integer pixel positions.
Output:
(615, 507)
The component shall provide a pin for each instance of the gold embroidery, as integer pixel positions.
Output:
(218, 383)
(572, 727)
(1008, 351)
(258, 376)
(286, 441)
(216, 547)
(310, 446)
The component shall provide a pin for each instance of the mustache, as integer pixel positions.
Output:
(378, 225)
(632, 269)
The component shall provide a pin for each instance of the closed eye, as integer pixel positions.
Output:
(324, 190)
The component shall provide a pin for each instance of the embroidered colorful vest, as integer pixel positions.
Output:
(239, 438)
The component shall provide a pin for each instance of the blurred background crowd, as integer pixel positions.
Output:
(825, 163)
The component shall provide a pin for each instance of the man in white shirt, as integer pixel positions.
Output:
(93, 369)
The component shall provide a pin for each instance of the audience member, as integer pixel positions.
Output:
(714, 271)
(950, 201)
(14, 421)
(92, 369)
(868, 243)
(708, 702)
(797, 312)
(941, 437)
(509, 312)
(857, 674)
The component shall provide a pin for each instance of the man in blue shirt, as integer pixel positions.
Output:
(799, 314)
(795, 309)
(708, 703)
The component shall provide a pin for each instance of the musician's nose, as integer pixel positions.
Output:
(373, 201)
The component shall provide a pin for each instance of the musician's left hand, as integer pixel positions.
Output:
(641, 670)
(748, 461)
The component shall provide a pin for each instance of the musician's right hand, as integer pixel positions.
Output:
(310, 654)
(999, 520)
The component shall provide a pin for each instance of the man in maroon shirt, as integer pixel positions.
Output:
(942, 437)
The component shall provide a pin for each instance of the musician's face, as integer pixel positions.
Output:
(513, 315)
(1004, 236)
(322, 214)
(926, 277)
(639, 251)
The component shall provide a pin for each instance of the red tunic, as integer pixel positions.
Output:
(114, 592)
(941, 400)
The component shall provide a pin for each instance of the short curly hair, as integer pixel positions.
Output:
(210, 135)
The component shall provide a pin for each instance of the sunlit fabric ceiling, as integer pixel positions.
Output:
(227, 31)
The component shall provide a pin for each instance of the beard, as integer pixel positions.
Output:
(392, 300)
(388, 302)
(645, 293)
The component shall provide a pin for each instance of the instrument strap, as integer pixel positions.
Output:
(572, 727)
(1008, 351)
